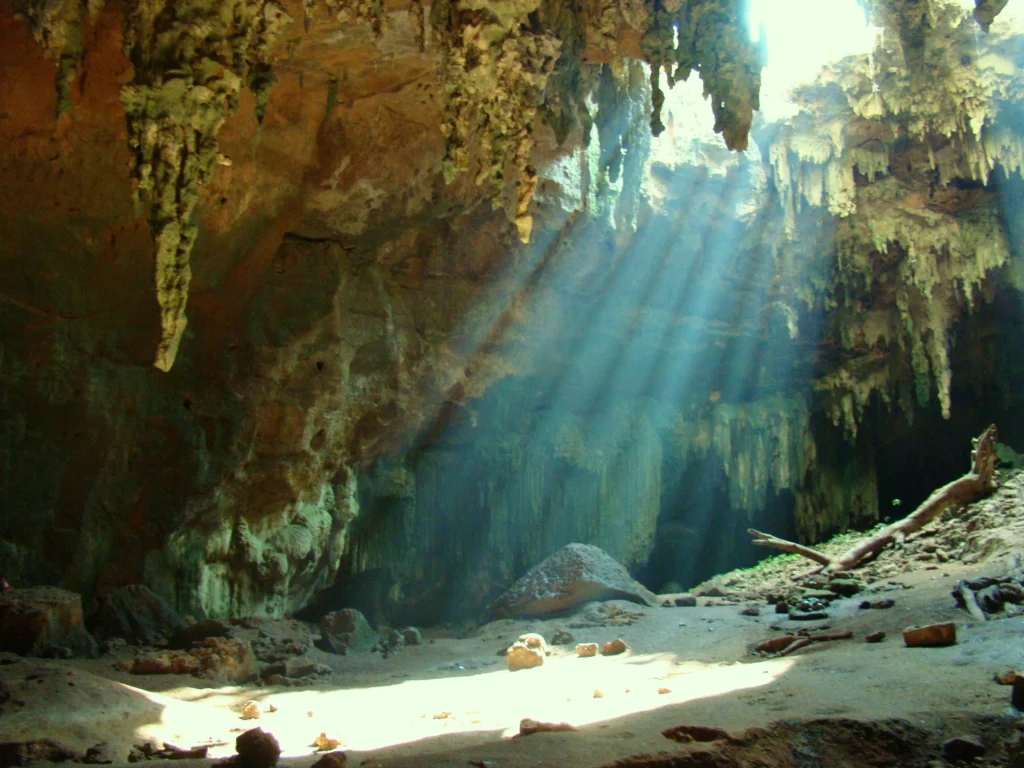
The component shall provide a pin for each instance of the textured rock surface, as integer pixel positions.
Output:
(347, 630)
(379, 384)
(215, 658)
(572, 576)
(135, 614)
(35, 619)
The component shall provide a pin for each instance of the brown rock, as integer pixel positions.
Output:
(586, 649)
(521, 656)
(1003, 678)
(574, 575)
(536, 641)
(346, 630)
(257, 749)
(332, 760)
(251, 710)
(562, 637)
(412, 636)
(35, 751)
(1017, 693)
(934, 635)
(215, 658)
(875, 637)
(325, 743)
(963, 748)
(688, 734)
(528, 726)
(614, 648)
(37, 618)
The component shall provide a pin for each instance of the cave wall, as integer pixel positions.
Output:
(381, 383)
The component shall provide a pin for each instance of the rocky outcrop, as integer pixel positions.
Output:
(40, 621)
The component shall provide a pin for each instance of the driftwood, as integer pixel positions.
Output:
(971, 602)
(978, 483)
(787, 644)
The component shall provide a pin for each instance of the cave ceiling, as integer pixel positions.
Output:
(327, 224)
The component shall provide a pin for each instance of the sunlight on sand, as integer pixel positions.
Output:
(371, 718)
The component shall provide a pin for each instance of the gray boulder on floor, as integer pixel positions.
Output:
(346, 630)
(574, 575)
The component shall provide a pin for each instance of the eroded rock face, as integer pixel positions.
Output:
(37, 619)
(352, 225)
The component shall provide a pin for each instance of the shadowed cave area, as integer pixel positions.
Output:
(512, 382)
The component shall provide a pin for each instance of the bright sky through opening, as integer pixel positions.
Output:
(801, 36)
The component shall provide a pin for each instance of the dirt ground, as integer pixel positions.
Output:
(452, 702)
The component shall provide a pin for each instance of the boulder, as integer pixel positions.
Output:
(932, 636)
(257, 749)
(412, 636)
(215, 658)
(574, 575)
(276, 639)
(346, 630)
(37, 619)
(521, 656)
(136, 614)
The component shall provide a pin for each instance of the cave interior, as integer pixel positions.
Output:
(347, 311)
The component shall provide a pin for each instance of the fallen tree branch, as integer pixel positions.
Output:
(787, 644)
(971, 603)
(767, 540)
(976, 484)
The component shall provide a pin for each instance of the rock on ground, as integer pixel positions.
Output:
(574, 575)
(257, 749)
(346, 630)
(136, 614)
(215, 658)
(521, 656)
(36, 619)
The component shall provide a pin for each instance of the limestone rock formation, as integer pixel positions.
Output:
(136, 614)
(36, 619)
(346, 630)
(379, 383)
(572, 576)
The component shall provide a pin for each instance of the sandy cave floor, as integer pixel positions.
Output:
(452, 702)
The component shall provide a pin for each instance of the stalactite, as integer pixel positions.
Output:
(189, 70)
(58, 27)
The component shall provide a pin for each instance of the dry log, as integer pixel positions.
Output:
(971, 603)
(978, 483)
(787, 644)
(767, 540)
